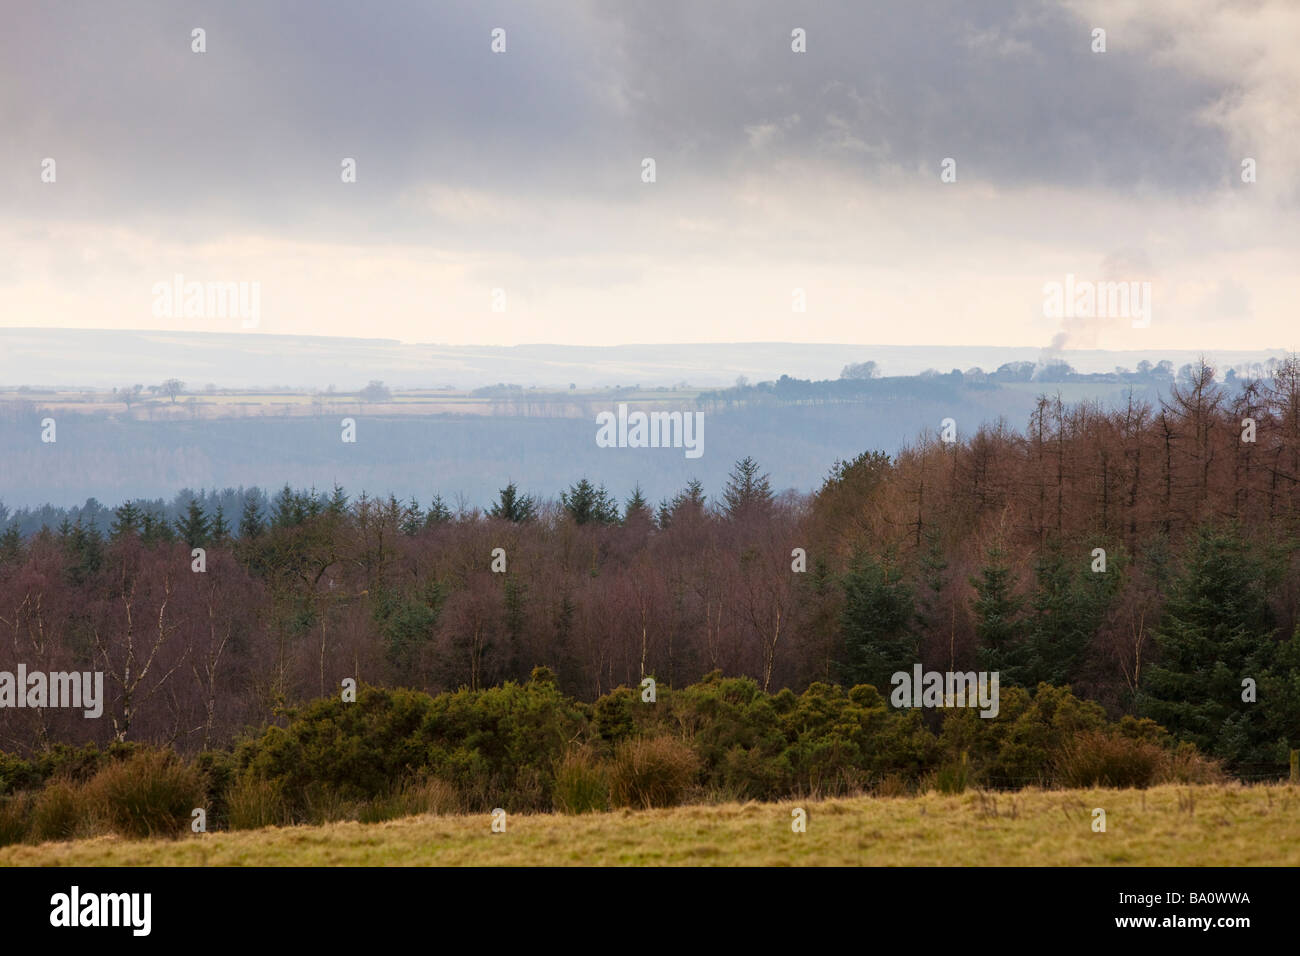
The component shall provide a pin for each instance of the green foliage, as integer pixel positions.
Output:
(997, 607)
(581, 784)
(127, 522)
(492, 745)
(76, 764)
(419, 795)
(407, 623)
(587, 504)
(194, 529)
(877, 622)
(747, 492)
(1018, 746)
(253, 803)
(1069, 603)
(513, 506)
(1217, 630)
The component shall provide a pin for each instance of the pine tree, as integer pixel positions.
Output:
(11, 545)
(1281, 688)
(412, 519)
(586, 503)
(877, 623)
(194, 529)
(250, 521)
(127, 522)
(998, 624)
(637, 509)
(438, 512)
(289, 509)
(747, 492)
(86, 548)
(513, 506)
(313, 504)
(1216, 631)
(516, 612)
(689, 500)
(155, 528)
(220, 527)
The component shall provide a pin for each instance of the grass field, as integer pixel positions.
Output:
(1164, 826)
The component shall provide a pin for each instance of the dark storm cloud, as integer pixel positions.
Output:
(251, 133)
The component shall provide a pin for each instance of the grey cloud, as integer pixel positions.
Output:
(251, 133)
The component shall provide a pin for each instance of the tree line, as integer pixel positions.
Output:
(976, 553)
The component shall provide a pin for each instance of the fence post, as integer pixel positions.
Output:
(1295, 766)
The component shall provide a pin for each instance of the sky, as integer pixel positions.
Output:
(774, 170)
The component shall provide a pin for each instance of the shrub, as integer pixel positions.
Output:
(653, 772)
(952, 777)
(253, 803)
(580, 784)
(893, 785)
(1186, 764)
(493, 745)
(15, 817)
(322, 804)
(1100, 759)
(416, 796)
(60, 812)
(151, 793)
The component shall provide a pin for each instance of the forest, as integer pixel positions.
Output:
(1144, 555)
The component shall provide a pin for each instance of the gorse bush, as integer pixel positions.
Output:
(493, 746)
(74, 764)
(528, 747)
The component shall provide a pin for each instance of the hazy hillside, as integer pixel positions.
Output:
(112, 459)
(105, 359)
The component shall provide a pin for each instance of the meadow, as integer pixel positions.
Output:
(1170, 825)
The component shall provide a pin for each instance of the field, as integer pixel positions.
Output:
(1164, 826)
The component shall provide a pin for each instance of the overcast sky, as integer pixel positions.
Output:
(775, 170)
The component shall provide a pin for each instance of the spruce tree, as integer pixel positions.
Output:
(194, 529)
(637, 508)
(127, 521)
(997, 607)
(220, 527)
(877, 623)
(11, 545)
(438, 512)
(250, 521)
(512, 506)
(747, 492)
(586, 504)
(412, 519)
(1217, 630)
